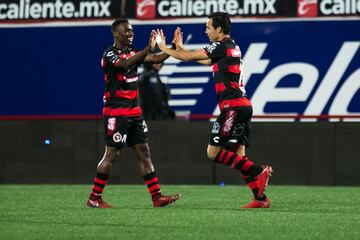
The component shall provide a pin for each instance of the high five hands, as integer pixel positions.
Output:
(161, 39)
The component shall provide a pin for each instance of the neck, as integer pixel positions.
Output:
(119, 45)
(223, 36)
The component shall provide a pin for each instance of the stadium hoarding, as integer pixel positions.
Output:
(291, 67)
(72, 10)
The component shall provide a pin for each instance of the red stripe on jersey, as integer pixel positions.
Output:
(129, 94)
(220, 87)
(234, 68)
(215, 68)
(106, 78)
(234, 85)
(131, 112)
(234, 52)
(120, 77)
(237, 102)
(106, 95)
(116, 62)
(102, 64)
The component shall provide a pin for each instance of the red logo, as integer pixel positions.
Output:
(307, 8)
(145, 9)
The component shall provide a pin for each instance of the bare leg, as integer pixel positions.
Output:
(144, 161)
(108, 160)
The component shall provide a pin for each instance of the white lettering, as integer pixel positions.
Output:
(175, 8)
(162, 8)
(25, 9)
(199, 8)
(232, 7)
(13, 10)
(332, 78)
(345, 94)
(339, 7)
(253, 62)
(268, 92)
(68, 10)
(270, 7)
(2, 7)
(35, 10)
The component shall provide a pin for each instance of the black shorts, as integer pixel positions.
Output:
(232, 126)
(125, 130)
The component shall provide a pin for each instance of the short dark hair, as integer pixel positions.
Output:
(221, 19)
(117, 22)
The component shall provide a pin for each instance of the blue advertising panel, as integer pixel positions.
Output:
(305, 67)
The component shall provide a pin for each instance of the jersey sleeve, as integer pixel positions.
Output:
(110, 58)
(215, 50)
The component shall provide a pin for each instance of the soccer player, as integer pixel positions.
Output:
(230, 132)
(123, 120)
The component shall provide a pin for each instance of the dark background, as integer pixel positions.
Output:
(300, 153)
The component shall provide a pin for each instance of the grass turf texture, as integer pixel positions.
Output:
(204, 212)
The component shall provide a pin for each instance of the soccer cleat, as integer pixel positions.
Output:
(97, 203)
(263, 179)
(258, 204)
(163, 200)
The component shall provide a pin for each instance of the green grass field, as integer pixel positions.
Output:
(204, 212)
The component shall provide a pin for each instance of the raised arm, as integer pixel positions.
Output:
(181, 53)
(161, 56)
(138, 57)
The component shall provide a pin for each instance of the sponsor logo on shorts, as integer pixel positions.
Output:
(145, 126)
(117, 137)
(216, 128)
(238, 129)
(111, 124)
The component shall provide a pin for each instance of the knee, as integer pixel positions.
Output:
(211, 154)
(110, 156)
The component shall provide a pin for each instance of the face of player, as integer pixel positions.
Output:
(211, 32)
(124, 34)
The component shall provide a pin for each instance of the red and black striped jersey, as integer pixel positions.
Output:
(228, 73)
(121, 86)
